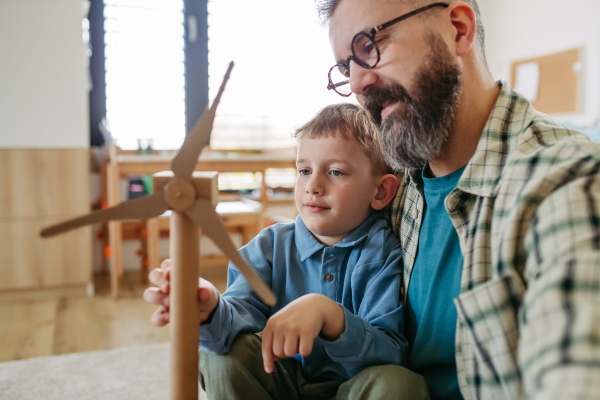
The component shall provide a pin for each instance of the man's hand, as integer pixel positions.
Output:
(208, 296)
(294, 328)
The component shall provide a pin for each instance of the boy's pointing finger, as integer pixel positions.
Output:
(267, 351)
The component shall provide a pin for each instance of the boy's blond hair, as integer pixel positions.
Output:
(347, 120)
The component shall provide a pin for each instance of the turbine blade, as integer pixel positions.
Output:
(142, 208)
(205, 216)
(185, 161)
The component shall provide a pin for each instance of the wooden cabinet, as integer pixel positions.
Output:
(39, 188)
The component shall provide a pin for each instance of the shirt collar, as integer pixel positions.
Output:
(511, 114)
(307, 245)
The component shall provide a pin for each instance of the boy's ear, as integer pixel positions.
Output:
(386, 190)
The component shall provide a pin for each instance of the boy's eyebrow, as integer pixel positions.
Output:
(332, 161)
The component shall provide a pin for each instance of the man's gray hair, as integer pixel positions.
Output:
(326, 8)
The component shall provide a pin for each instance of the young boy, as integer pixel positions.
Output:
(337, 329)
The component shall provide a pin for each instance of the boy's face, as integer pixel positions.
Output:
(334, 186)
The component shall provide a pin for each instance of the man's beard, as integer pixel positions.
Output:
(414, 134)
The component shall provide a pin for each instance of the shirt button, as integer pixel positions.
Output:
(415, 213)
(322, 255)
(329, 277)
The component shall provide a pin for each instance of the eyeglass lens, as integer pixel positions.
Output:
(339, 77)
(365, 50)
(366, 54)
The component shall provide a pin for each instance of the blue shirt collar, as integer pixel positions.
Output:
(307, 245)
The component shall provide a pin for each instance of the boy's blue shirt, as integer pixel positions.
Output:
(366, 268)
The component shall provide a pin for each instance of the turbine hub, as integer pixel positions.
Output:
(180, 194)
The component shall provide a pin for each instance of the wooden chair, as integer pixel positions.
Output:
(244, 217)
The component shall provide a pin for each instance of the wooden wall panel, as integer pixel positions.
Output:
(39, 188)
(29, 261)
(44, 183)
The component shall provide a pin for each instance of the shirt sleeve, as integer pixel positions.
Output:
(239, 309)
(374, 329)
(559, 319)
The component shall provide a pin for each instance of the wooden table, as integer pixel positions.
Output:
(122, 165)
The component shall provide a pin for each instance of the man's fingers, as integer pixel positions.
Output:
(267, 352)
(160, 316)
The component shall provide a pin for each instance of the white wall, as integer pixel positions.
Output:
(43, 77)
(522, 29)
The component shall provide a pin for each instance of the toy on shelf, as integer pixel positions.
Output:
(192, 196)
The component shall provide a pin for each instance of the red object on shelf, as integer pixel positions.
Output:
(138, 252)
(146, 262)
(107, 252)
(145, 233)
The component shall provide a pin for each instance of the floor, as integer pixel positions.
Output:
(71, 325)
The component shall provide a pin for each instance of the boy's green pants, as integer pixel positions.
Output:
(239, 374)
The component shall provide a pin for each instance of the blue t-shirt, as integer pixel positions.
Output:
(362, 273)
(434, 283)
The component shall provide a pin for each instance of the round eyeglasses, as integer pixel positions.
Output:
(365, 53)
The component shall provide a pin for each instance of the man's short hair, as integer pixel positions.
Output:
(348, 121)
(326, 8)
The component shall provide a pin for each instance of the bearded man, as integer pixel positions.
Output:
(498, 209)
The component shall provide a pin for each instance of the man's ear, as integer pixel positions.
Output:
(386, 190)
(464, 22)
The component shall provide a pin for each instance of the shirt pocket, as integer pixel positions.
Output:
(488, 335)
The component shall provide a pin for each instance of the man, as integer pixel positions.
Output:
(498, 209)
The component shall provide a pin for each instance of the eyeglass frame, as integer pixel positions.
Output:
(371, 36)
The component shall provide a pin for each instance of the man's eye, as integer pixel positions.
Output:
(369, 48)
(304, 172)
(336, 173)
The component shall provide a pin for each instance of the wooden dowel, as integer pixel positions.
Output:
(185, 329)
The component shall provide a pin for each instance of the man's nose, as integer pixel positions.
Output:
(361, 79)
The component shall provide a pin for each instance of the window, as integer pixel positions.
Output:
(145, 81)
(279, 81)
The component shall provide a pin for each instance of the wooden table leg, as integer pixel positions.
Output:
(114, 234)
(114, 227)
(104, 227)
(153, 241)
(145, 253)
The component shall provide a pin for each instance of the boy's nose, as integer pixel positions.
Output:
(314, 187)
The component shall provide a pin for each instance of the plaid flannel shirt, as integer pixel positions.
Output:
(527, 213)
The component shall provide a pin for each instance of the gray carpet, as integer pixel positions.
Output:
(140, 372)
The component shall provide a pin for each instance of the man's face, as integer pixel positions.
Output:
(413, 92)
(334, 186)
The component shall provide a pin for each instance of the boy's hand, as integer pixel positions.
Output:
(294, 328)
(208, 296)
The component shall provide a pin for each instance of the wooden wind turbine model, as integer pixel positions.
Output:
(192, 196)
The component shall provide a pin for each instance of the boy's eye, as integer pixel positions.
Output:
(336, 172)
(303, 172)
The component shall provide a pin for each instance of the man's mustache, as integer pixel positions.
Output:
(377, 97)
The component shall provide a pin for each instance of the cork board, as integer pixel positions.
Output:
(558, 90)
